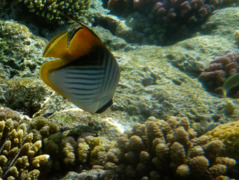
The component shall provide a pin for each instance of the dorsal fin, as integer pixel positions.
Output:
(57, 47)
(82, 42)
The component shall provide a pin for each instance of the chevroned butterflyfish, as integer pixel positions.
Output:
(86, 72)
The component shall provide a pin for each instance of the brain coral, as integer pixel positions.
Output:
(167, 150)
(218, 71)
(19, 152)
(53, 9)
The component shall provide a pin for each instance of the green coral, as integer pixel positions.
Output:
(54, 9)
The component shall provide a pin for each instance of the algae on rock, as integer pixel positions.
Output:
(20, 51)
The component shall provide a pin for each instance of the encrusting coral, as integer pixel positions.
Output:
(228, 134)
(20, 51)
(25, 94)
(19, 152)
(54, 9)
(167, 150)
(218, 71)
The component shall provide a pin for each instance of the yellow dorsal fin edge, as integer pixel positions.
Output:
(47, 67)
(57, 47)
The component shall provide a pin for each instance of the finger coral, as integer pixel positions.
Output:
(54, 9)
(168, 150)
(218, 71)
(68, 152)
(19, 157)
(185, 11)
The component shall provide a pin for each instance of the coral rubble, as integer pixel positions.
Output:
(218, 71)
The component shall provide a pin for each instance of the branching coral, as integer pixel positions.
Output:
(186, 11)
(218, 71)
(19, 158)
(168, 150)
(54, 9)
(68, 152)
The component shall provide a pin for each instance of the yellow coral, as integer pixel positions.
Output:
(229, 134)
(83, 150)
(18, 151)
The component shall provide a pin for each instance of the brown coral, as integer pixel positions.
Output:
(169, 150)
(218, 71)
(68, 152)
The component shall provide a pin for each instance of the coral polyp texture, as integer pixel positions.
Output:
(68, 152)
(169, 150)
(228, 134)
(54, 9)
(218, 71)
(19, 152)
(184, 10)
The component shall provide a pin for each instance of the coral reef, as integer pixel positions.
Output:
(25, 94)
(185, 11)
(79, 151)
(157, 149)
(228, 134)
(54, 10)
(20, 51)
(7, 113)
(218, 71)
(19, 152)
(167, 150)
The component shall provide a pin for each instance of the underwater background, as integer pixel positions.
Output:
(169, 119)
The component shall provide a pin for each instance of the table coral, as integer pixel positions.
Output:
(19, 152)
(168, 150)
(218, 71)
(229, 134)
(53, 10)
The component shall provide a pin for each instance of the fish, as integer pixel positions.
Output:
(84, 71)
(230, 83)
